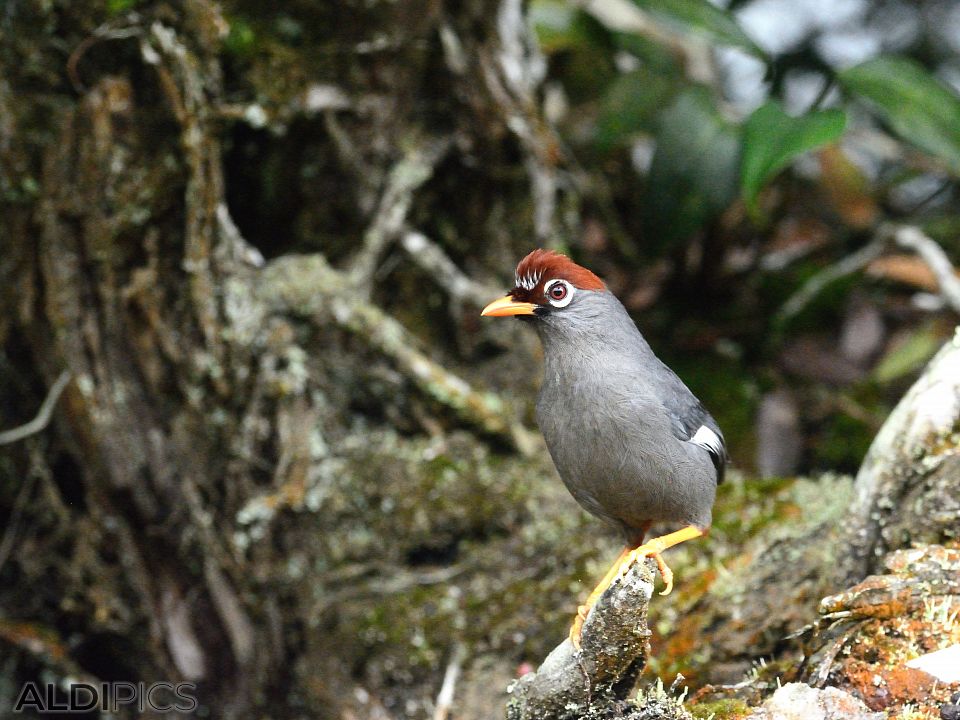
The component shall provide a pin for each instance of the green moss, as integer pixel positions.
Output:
(747, 505)
(728, 709)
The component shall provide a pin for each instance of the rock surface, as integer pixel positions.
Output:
(797, 701)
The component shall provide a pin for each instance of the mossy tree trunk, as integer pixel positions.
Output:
(153, 155)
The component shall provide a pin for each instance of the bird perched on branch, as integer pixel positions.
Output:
(632, 444)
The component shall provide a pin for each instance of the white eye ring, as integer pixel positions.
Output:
(559, 293)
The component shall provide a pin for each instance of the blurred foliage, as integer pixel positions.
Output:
(744, 161)
(694, 169)
(702, 17)
(709, 171)
(914, 104)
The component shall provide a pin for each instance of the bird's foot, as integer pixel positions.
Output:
(657, 545)
(651, 549)
(617, 572)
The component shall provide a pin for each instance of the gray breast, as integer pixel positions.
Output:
(619, 458)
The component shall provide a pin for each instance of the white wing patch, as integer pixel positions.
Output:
(707, 438)
(528, 281)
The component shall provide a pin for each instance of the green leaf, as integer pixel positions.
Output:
(693, 175)
(771, 139)
(115, 7)
(560, 26)
(909, 355)
(241, 39)
(555, 24)
(649, 53)
(915, 105)
(703, 17)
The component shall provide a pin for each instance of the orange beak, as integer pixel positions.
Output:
(507, 306)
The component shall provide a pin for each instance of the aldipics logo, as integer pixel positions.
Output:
(111, 697)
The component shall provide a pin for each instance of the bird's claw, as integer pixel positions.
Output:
(577, 627)
(666, 573)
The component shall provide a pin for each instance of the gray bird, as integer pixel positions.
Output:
(632, 444)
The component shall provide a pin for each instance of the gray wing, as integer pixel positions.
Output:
(690, 421)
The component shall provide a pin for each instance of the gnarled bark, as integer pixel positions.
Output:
(904, 494)
(214, 391)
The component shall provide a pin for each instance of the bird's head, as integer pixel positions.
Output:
(546, 284)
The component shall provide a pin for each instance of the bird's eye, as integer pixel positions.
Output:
(559, 292)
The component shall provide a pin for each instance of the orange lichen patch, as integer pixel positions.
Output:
(887, 689)
(873, 664)
(877, 596)
(33, 638)
(677, 649)
(904, 684)
(791, 512)
(940, 556)
(913, 611)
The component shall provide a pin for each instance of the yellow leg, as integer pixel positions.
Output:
(612, 574)
(653, 548)
(657, 545)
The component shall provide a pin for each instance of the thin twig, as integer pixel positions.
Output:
(906, 236)
(929, 197)
(431, 258)
(445, 697)
(816, 284)
(512, 76)
(104, 32)
(405, 178)
(367, 176)
(43, 416)
(912, 238)
(822, 673)
(817, 104)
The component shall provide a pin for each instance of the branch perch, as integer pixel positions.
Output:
(405, 178)
(912, 238)
(614, 648)
(43, 415)
(307, 285)
(433, 260)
